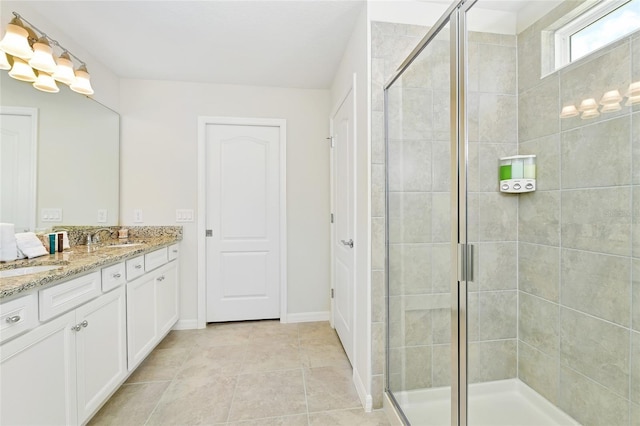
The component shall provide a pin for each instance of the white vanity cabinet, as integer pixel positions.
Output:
(152, 305)
(38, 375)
(63, 370)
(66, 348)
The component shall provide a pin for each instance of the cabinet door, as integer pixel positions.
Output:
(38, 371)
(141, 319)
(101, 350)
(167, 297)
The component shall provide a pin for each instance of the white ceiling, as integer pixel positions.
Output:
(295, 44)
(281, 43)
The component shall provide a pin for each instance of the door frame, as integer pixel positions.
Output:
(203, 121)
(33, 146)
(350, 90)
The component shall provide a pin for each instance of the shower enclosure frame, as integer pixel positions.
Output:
(461, 265)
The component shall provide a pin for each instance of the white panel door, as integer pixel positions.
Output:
(342, 125)
(243, 213)
(17, 167)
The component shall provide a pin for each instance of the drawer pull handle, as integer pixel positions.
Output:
(116, 275)
(138, 266)
(175, 250)
(161, 278)
(76, 327)
(84, 323)
(13, 319)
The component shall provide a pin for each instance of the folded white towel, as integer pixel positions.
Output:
(32, 252)
(8, 246)
(30, 245)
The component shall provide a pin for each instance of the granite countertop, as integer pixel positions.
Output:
(78, 260)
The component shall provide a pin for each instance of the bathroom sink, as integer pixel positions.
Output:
(17, 272)
(124, 245)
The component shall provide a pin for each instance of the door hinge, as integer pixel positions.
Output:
(332, 294)
(330, 138)
(208, 233)
(331, 217)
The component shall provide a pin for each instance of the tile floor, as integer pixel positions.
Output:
(260, 373)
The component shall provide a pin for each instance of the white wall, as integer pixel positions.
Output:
(159, 171)
(355, 60)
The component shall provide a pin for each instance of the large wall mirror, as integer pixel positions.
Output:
(59, 152)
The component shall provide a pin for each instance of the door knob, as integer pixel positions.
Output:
(347, 243)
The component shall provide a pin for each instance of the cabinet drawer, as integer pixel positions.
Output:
(63, 297)
(18, 315)
(135, 268)
(155, 258)
(113, 276)
(174, 251)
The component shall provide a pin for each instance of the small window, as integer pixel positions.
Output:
(604, 23)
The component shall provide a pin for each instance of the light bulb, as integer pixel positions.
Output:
(46, 83)
(42, 59)
(64, 70)
(15, 41)
(22, 71)
(82, 82)
(4, 61)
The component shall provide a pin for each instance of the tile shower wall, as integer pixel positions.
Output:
(579, 239)
(419, 224)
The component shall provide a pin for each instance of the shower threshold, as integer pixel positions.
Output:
(500, 403)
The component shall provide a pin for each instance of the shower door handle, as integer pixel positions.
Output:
(465, 262)
(347, 243)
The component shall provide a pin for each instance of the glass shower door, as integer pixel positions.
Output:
(490, 132)
(418, 130)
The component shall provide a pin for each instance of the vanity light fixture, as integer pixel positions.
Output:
(21, 44)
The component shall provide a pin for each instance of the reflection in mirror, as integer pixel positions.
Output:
(59, 152)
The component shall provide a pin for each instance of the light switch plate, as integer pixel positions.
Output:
(102, 215)
(51, 215)
(184, 215)
(137, 215)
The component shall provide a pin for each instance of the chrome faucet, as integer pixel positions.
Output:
(95, 238)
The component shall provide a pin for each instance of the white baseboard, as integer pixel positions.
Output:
(308, 317)
(365, 399)
(187, 324)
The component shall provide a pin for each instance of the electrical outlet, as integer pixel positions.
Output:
(51, 215)
(137, 215)
(102, 215)
(184, 215)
